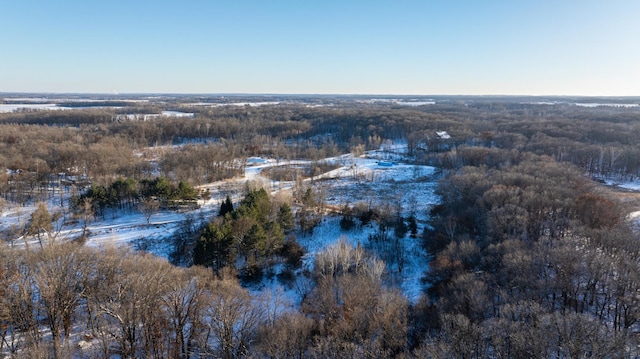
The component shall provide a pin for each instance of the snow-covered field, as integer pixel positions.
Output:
(239, 104)
(30, 106)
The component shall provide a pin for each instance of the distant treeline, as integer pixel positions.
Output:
(600, 141)
(82, 104)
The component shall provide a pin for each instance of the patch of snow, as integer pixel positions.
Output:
(590, 104)
(634, 215)
(178, 114)
(4, 108)
(398, 101)
(630, 185)
(256, 160)
(240, 104)
(415, 103)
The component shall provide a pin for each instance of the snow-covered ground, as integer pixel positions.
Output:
(630, 185)
(30, 106)
(414, 102)
(395, 184)
(378, 178)
(240, 104)
(633, 186)
(383, 179)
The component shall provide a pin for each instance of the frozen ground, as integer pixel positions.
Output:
(379, 178)
(630, 185)
(29, 106)
(384, 179)
(395, 185)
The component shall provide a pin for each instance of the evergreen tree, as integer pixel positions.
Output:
(285, 218)
(255, 205)
(254, 239)
(309, 198)
(162, 188)
(226, 207)
(274, 240)
(98, 196)
(186, 191)
(214, 248)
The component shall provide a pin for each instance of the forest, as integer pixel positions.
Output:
(529, 252)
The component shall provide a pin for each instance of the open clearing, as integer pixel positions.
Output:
(382, 179)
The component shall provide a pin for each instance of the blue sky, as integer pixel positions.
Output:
(322, 47)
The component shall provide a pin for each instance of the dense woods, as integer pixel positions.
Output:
(530, 255)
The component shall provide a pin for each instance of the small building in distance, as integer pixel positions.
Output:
(442, 135)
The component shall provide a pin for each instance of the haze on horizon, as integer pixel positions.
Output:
(572, 47)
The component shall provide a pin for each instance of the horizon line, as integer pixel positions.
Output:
(3, 93)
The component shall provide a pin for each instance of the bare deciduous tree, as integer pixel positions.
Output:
(233, 318)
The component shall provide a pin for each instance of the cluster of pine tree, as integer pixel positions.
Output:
(126, 193)
(248, 238)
